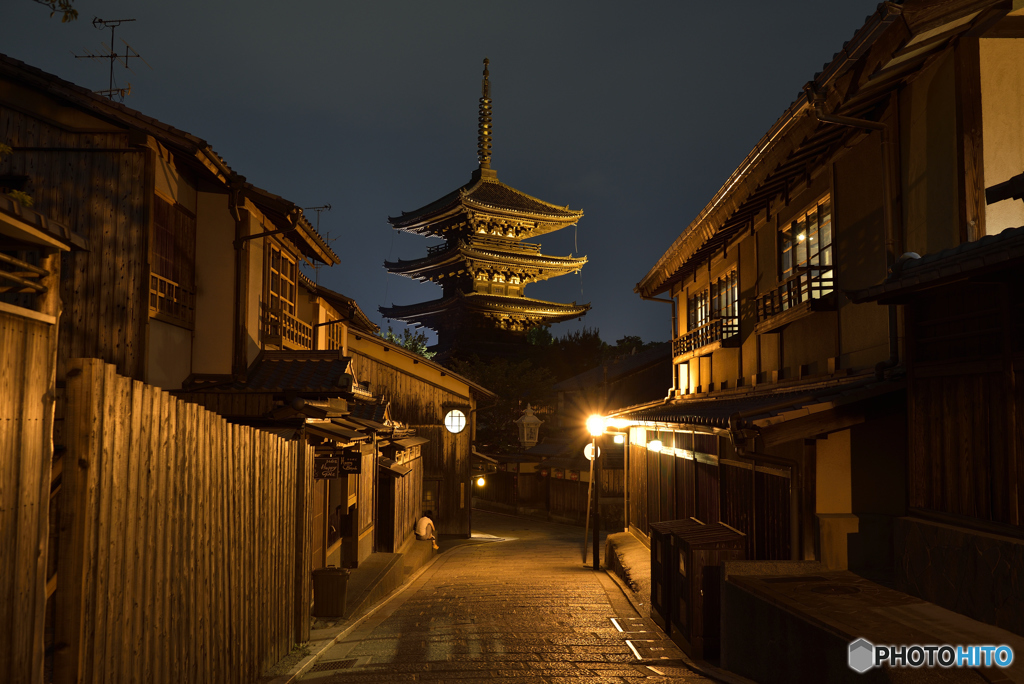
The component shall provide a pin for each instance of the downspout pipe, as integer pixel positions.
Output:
(675, 327)
(816, 99)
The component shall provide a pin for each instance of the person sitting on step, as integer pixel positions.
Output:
(425, 529)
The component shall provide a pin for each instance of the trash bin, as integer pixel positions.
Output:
(330, 591)
(696, 585)
(663, 555)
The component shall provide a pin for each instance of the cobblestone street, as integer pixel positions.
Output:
(522, 609)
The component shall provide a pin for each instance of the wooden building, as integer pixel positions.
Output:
(787, 415)
(191, 276)
(484, 265)
(963, 310)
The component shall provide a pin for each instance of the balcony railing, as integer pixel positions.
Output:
(278, 325)
(807, 284)
(171, 299)
(715, 330)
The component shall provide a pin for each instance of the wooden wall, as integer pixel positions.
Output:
(965, 414)
(26, 450)
(97, 184)
(181, 536)
(422, 406)
(753, 499)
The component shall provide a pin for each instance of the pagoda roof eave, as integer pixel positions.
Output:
(558, 265)
(486, 303)
(490, 196)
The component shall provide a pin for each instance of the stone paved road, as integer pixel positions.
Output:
(524, 609)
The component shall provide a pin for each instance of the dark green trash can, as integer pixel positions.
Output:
(330, 591)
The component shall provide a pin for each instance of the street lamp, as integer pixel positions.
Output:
(595, 426)
(481, 481)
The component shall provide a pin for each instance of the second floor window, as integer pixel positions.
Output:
(719, 300)
(805, 252)
(173, 258)
(281, 281)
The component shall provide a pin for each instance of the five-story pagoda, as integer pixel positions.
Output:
(483, 266)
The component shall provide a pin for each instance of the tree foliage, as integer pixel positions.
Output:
(66, 8)
(415, 342)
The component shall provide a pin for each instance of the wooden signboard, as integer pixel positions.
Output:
(327, 467)
(351, 462)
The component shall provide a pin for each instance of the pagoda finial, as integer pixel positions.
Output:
(483, 153)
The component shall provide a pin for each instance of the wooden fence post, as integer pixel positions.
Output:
(79, 481)
(303, 542)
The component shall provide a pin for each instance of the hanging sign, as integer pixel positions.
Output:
(351, 462)
(326, 467)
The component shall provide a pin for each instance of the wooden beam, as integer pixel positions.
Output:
(820, 423)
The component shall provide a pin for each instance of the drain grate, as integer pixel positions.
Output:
(332, 665)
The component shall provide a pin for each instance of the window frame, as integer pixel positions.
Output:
(172, 263)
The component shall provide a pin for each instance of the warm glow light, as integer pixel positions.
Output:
(617, 423)
(801, 237)
(620, 439)
(480, 481)
(455, 421)
(595, 425)
(654, 445)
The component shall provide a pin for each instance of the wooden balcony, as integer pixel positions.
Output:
(809, 289)
(281, 329)
(714, 331)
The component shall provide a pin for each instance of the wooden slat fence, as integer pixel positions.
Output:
(26, 451)
(183, 539)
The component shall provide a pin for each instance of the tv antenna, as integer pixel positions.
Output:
(327, 237)
(112, 56)
(325, 207)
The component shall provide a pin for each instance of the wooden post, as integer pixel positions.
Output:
(79, 484)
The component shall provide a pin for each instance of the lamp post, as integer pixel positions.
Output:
(595, 426)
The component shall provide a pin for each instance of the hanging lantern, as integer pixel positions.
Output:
(529, 428)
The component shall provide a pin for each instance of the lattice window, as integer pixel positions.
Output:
(173, 262)
(282, 273)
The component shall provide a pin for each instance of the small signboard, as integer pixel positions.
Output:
(558, 474)
(574, 475)
(326, 467)
(351, 463)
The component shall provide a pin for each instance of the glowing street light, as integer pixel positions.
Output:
(481, 481)
(654, 445)
(595, 425)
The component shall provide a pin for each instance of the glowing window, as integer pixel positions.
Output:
(455, 421)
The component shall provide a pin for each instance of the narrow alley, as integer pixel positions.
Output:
(521, 608)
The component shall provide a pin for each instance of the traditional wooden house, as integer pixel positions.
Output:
(786, 418)
(484, 265)
(190, 271)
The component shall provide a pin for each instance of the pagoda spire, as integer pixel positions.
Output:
(483, 153)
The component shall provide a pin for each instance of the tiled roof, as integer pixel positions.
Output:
(486, 302)
(500, 196)
(760, 407)
(970, 258)
(290, 371)
(167, 134)
(488, 193)
(55, 229)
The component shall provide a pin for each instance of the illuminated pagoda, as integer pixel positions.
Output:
(484, 265)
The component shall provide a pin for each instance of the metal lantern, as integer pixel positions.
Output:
(529, 428)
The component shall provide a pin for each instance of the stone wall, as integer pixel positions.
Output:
(974, 573)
